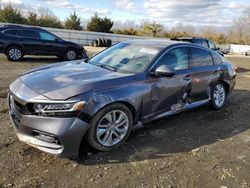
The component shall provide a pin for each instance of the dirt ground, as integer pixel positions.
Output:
(199, 148)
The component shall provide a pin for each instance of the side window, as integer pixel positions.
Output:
(46, 36)
(29, 34)
(204, 43)
(10, 32)
(217, 59)
(176, 59)
(200, 57)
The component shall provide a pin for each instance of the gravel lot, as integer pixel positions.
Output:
(198, 148)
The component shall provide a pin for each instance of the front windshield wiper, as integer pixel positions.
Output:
(108, 67)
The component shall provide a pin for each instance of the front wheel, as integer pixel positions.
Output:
(218, 96)
(110, 127)
(71, 54)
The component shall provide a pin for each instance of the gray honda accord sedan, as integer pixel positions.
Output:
(57, 107)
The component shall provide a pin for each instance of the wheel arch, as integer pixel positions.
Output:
(226, 85)
(9, 45)
(70, 47)
(125, 103)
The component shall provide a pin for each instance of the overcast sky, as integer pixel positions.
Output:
(168, 12)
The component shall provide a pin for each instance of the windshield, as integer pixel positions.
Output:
(125, 58)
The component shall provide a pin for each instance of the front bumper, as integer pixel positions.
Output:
(82, 54)
(54, 135)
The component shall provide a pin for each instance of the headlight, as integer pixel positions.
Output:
(58, 108)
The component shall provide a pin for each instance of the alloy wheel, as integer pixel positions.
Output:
(219, 95)
(71, 55)
(112, 128)
(15, 53)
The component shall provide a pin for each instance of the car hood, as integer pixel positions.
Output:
(62, 81)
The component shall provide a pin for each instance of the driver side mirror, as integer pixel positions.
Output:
(164, 71)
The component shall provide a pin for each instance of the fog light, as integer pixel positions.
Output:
(46, 137)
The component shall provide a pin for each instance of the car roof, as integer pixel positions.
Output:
(161, 44)
(154, 43)
(13, 26)
(188, 38)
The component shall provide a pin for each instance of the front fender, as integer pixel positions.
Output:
(130, 94)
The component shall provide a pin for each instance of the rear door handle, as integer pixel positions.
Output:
(187, 78)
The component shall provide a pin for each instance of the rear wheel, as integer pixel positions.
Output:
(218, 96)
(14, 53)
(110, 127)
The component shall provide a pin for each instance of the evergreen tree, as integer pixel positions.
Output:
(10, 15)
(99, 25)
(73, 22)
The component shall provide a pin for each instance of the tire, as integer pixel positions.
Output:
(109, 42)
(95, 44)
(104, 43)
(218, 96)
(111, 135)
(99, 42)
(71, 54)
(14, 53)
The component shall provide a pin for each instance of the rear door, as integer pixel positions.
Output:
(30, 41)
(203, 73)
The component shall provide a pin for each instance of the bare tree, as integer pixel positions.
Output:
(152, 28)
(128, 27)
(182, 30)
(209, 32)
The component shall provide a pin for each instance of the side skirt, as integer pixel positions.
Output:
(185, 107)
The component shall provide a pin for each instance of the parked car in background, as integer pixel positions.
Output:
(247, 53)
(225, 51)
(201, 41)
(57, 107)
(17, 41)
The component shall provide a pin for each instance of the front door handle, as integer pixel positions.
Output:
(215, 72)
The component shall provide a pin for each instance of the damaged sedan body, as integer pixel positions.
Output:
(54, 107)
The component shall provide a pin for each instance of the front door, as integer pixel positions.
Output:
(169, 93)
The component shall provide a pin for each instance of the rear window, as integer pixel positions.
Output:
(211, 44)
(46, 36)
(200, 57)
(196, 41)
(217, 59)
(29, 34)
(10, 32)
(201, 42)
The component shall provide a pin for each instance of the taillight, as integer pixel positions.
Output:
(235, 68)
